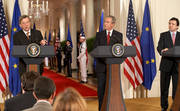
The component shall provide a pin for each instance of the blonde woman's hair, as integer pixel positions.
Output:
(69, 100)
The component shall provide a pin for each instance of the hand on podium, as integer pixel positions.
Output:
(43, 42)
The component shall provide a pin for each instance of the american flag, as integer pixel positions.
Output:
(133, 65)
(4, 50)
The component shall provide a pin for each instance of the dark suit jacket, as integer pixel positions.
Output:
(20, 38)
(101, 40)
(20, 102)
(165, 41)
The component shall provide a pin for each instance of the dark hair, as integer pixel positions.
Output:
(23, 17)
(27, 80)
(176, 19)
(68, 41)
(113, 18)
(44, 87)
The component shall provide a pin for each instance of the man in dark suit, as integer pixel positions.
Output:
(27, 36)
(58, 50)
(68, 58)
(44, 92)
(168, 66)
(107, 37)
(25, 100)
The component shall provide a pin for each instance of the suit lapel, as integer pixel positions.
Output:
(24, 36)
(177, 39)
(32, 34)
(169, 38)
(23, 33)
(104, 37)
(112, 36)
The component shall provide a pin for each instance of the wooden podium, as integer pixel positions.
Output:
(175, 53)
(113, 98)
(32, 63)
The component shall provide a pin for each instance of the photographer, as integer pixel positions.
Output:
(68, 58)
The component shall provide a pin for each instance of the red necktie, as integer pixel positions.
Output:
(173, 37)
(108, 38)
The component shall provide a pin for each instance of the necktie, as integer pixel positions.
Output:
(173, 37)
(108, 38)
(27, 34)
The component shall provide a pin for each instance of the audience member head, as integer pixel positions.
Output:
(27, 80)
(173, 24)
(25, 22)
(44, 89)
(69, 100)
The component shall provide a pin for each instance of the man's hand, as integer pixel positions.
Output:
(43, 42)
(164, 50)
(78, 58)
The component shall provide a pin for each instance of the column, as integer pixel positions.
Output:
(73, 30)
(62, 25)
(90, 28)
(90, 32)
(115, 11)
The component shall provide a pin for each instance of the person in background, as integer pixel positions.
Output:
(68, 58)
(82, 59)
(58, 54)
(26, 99)
(107, 37)
(27, 36)
(69, 100)
(44, 92)
(168, 65)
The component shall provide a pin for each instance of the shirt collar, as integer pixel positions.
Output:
(109, 31)
(27, 31)
(43, 101)
(172, 33)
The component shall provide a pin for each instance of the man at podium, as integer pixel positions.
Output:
(109, 36)
(27, 36)
(168, 66)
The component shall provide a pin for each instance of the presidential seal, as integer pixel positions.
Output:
(33, 50)
(117, 50)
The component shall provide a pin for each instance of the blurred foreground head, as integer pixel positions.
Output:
(69, 100)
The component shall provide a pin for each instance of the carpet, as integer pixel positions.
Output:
(62, 83)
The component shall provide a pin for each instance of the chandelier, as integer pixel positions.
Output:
(38, 8)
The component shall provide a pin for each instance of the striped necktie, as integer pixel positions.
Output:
(173, 38)
(27, 34)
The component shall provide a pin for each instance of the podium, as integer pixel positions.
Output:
(32, 63)
(175, 53)
(113, 97)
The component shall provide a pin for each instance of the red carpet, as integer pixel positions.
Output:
(63, 82)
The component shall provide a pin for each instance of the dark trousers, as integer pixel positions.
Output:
(59, 63)
(164, 84)
(67, 63)
(101, 77)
